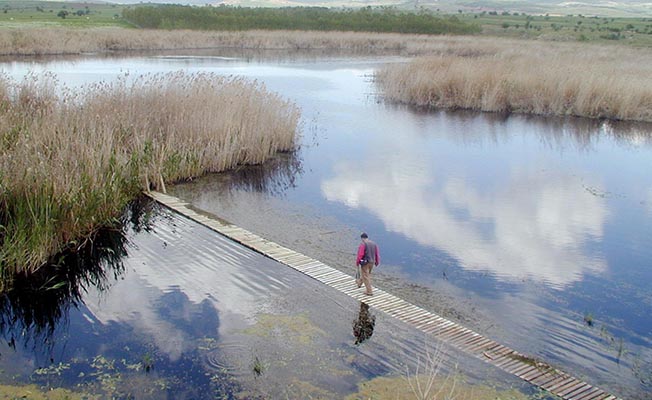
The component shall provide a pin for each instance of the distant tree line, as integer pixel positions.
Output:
(368, 19)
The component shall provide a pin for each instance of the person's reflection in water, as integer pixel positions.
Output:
(363, 327)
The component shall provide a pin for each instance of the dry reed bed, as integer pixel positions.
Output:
(481, 73)
(71, 160)
(535, 78)
(50, 41)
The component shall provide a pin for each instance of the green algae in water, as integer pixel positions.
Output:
(297, 328)
(33, 392)
(452, 387)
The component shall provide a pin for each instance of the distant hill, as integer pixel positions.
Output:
(612, 8)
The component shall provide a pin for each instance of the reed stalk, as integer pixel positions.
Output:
(70, 160)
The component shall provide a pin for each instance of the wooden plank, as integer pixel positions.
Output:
(412, 315)
(345, 283)
(521, 372)
(336, 278)
(426, 323)
(444, 330)
(474, 340)
(481, 346)
(592, 394)
(394, 307)
(323, 273)
(548, 377)
(577, 384)
(604, 396)
(520, 367)
(399, 309)
(497, 351)
(342, 279)
(581, 387)
(386, 301)
(538, 372)
(303, 263)
(561, 381)
(508, 359)
(309, 270)
(461, 337)
(572, 385)
(306, 267)
(299, 260)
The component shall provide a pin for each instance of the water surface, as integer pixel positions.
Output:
(534, 231)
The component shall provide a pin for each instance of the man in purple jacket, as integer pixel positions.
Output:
(367, 257)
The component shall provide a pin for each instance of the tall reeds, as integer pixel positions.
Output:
(49, 41)
(550, 79)
(70, 160)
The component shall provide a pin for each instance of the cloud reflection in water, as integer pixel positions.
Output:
(525, 223)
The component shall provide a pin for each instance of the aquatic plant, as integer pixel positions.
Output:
(257, 367)
(147, 362)
(446, 386)
(427, 382)
(34, 392)
(72, 159)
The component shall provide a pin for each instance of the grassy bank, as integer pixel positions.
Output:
(559, 27)
(533, 78)
(71, 160)
(65, 13)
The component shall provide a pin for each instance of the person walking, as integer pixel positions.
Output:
(368, 257)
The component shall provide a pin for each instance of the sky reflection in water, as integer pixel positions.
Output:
(530, 219)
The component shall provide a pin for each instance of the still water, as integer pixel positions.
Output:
(533, 231)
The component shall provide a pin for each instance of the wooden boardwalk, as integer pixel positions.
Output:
(533, 371)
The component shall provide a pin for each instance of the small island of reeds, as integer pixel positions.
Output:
(530, 77)
(72, 159)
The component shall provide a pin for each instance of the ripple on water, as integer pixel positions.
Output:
(221, 358)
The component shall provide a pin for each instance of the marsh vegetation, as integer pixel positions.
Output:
(528, 77)
(72, 159)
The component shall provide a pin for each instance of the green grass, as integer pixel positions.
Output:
(603, 8)
(45, 13)
(629, 31)
(365, 19)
